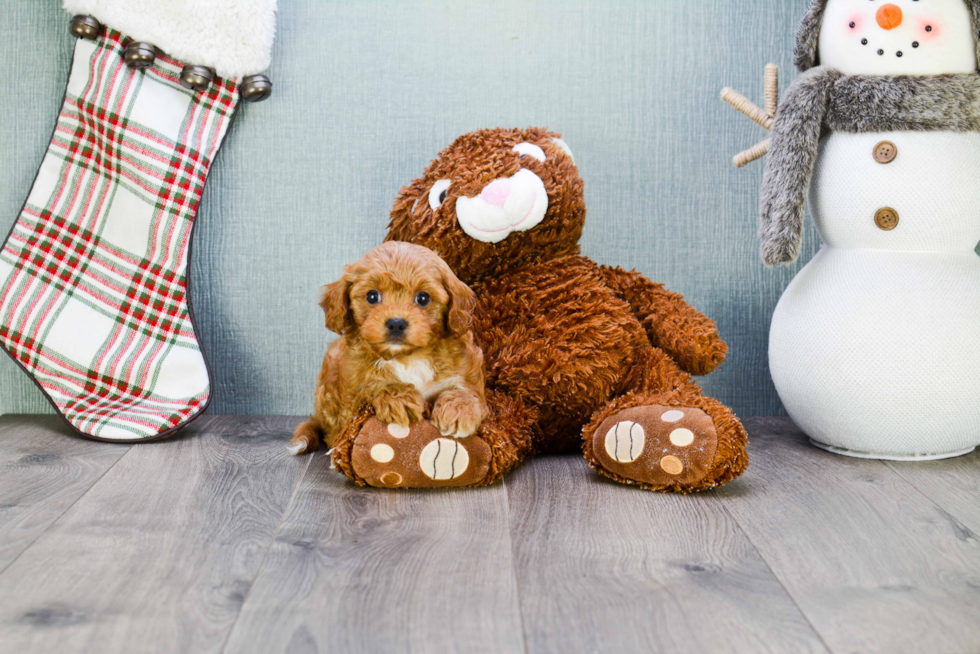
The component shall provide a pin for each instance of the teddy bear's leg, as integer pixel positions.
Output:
(372, 453)
(664, 434)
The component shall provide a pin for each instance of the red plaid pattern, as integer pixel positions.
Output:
(93, 286)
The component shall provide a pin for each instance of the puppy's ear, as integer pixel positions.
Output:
(462, 303)
(336, 306)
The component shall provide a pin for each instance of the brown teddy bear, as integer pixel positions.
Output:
(577, 354)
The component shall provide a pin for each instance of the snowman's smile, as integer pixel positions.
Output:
(881, 52)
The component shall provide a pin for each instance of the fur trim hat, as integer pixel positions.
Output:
(808, 34)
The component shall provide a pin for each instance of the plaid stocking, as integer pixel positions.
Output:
(93, 277)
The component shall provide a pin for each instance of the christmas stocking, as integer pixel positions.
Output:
(93, 276)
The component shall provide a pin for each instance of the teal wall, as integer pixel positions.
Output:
(367, 93)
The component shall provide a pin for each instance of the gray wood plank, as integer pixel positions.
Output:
(44, 469)
(361, 570)
(953, 484)
(873, 564)
(160, 553)
(604, 567)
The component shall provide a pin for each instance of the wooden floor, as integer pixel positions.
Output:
(219, 541)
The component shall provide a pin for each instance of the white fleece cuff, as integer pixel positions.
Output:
(234, 37)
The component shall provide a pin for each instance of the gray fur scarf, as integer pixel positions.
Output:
(824, 98)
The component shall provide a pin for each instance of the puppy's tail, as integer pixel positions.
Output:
(306, 438)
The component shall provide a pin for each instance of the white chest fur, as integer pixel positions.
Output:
(418, 372)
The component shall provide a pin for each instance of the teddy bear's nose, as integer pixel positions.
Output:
(889, 16)
(497, 192)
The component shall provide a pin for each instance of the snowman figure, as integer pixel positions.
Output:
(875, 345)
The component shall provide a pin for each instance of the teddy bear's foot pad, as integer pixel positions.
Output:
(657, 445)
(396, 456)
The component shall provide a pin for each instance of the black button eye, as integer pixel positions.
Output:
(422, 299)
(442, 197)
(373, 297)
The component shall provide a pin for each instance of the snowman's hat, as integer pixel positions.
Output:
(809, 32)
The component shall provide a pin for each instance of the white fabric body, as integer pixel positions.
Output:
(875, 346)
(234, 37)
(942, 29)
(933, 184)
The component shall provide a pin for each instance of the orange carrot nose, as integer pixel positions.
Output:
(889, 17)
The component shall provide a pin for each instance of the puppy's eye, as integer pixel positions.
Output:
(422, 299)
(437, 195)
(373, 297)
(529, 150)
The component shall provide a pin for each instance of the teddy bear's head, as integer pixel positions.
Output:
(493, 201)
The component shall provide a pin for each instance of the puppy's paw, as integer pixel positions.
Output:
(458, 413)
(306, 439)
(399, 406)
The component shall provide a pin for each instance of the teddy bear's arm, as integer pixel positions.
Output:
(687, 335)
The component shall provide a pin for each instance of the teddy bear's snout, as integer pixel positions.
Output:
(504, 206)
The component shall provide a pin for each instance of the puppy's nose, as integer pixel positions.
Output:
(396, 326)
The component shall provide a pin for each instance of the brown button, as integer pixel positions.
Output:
(886, 219)
(885, 152)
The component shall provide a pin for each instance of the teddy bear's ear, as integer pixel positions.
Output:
(402, 220)
(561, 145)
(336, 306)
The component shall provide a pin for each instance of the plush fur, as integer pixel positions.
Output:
(398, 373)
(566, 342)
(945, 103)
(234, 37)
(824, 98)
(806, 54)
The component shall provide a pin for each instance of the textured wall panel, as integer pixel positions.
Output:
(367, 93)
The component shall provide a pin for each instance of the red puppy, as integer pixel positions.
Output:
(404, 319)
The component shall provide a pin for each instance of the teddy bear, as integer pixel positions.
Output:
(577, 355)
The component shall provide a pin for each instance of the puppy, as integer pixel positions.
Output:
(404, 320)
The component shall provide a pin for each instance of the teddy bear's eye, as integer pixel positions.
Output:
(437, 194)
(373, 297)
(422, 299)
(564, 148)
(529, 150)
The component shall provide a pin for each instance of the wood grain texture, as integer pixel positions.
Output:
(874, 564)
(362, 570)
(160, 553)
(44, 469)
(305, 181)
(608, 568)
(953, 484)
(216, 541)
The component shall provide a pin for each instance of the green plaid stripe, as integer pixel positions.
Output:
(93, 299)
